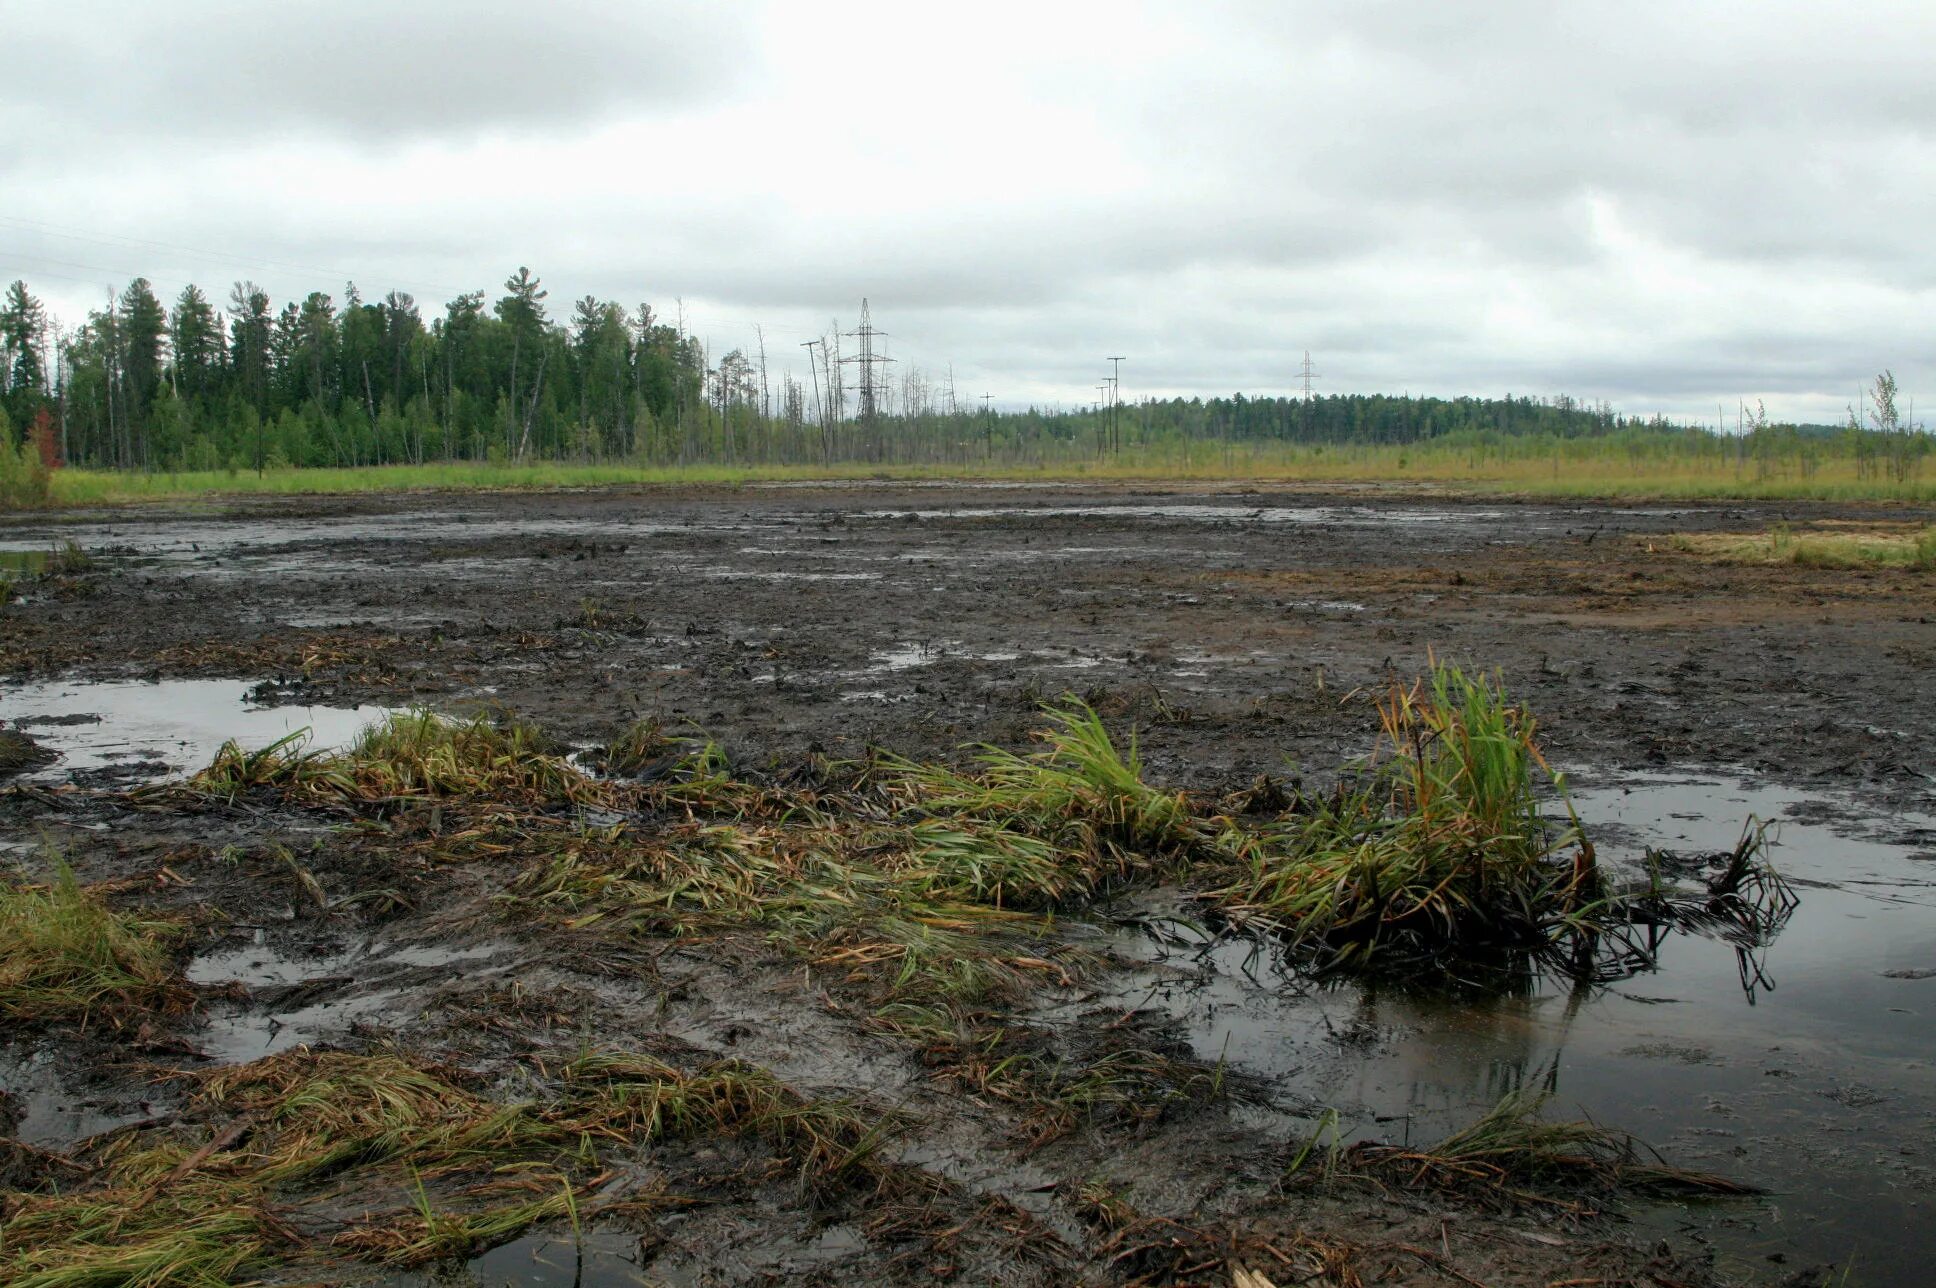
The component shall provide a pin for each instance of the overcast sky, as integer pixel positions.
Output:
(1668, 205)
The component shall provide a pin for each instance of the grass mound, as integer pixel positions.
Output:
(1437, 847)
(64, 955)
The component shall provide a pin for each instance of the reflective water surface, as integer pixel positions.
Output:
(1808, 1067)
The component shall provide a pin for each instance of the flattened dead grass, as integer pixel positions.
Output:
(292, 1142)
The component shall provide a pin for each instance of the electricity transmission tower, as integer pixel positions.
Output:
(1308, 376)
(872, 363)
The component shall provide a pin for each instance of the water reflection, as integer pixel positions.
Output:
(1670, 1026)
(149, 729)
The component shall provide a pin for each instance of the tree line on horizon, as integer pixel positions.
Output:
(187, 385)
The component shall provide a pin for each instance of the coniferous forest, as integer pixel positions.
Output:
(244, 382)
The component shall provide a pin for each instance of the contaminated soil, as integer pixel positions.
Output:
(1243, 634)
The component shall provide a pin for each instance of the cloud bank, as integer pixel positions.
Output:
(1665, 206)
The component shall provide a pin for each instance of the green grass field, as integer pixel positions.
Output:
(1583, 470)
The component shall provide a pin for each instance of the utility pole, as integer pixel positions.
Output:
(1115, 401)
(826, 444)
(988, 423)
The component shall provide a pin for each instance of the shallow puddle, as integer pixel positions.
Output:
(230, 547)
(309, 997)
(155, 729)
(1228, 513)
(595, 1259)
(1809, 1067)
(52, 1112)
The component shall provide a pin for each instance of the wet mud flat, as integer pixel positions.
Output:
(1127, 1110)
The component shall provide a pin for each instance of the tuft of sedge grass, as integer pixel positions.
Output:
(1438, 846)
(989, 864)
(64, 955)
(316, 1114)
(67, 560)
(413, 754)
(18, 752)
(701, 783)
(1080, 799)
(1922, 555)
(235, 769)
(634, 750)
(1514, 1152)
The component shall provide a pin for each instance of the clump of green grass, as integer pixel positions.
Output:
(635, 749)
(65, 955)
(413, 754)
(163, 1210)
(191, 1236)
(235, 769)
(1515, 1153)
(1437, 847)
(989, 864)
(1047, 826)
(931, 880)
(68, 560)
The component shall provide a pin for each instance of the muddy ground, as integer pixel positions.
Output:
(1238, 632)
(786, 619)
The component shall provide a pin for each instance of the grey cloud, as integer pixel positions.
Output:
(1494, 119)
(1375, 181)
(368, 71)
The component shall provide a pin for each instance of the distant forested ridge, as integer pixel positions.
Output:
(244, 382)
